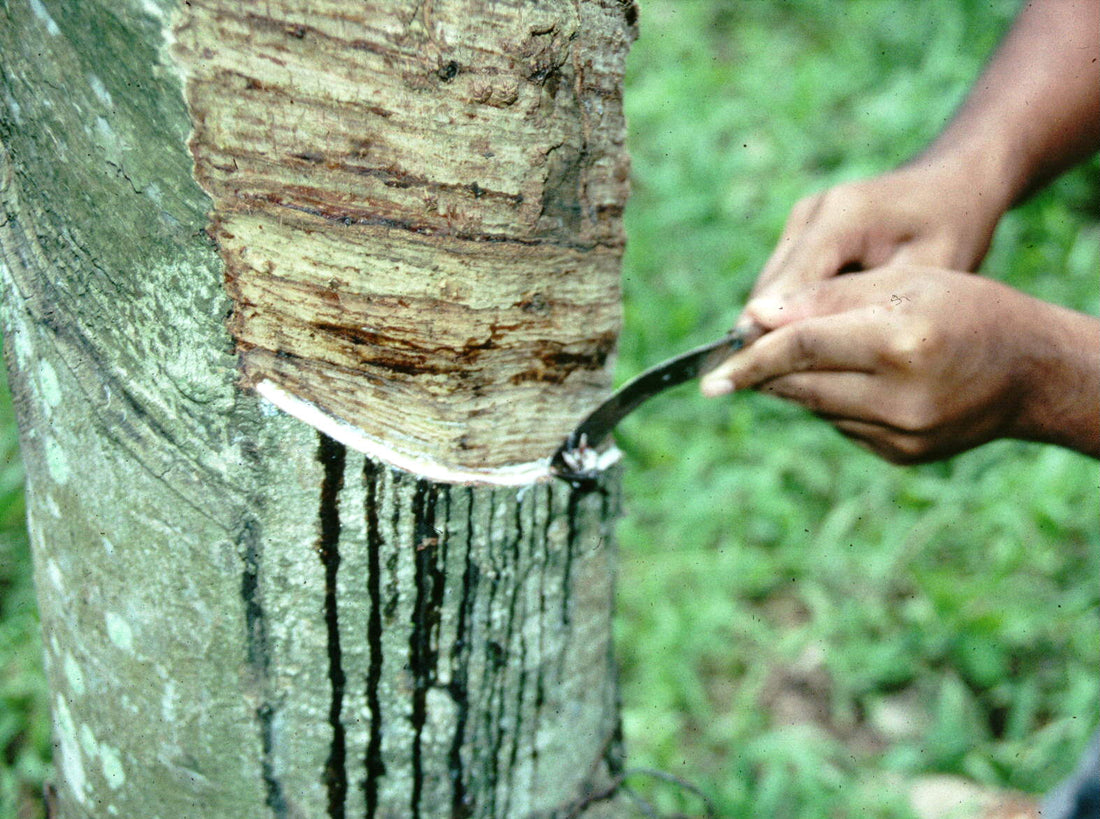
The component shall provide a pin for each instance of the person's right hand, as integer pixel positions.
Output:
(936, 211)
(919, 363)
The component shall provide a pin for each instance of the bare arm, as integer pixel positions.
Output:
(913, 359)
(1034, 111)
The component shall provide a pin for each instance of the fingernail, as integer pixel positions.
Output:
(713, 386)
(767, 310)
(745, 325)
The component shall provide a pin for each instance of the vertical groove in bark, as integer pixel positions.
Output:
(375, 766)
(258, 658)
(460, 659)
(425, 622)
(332, 456)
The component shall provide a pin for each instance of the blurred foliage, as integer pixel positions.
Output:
(24, 715)
(801, 627)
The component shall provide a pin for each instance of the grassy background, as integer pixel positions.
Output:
(801, 627)
(24, 716)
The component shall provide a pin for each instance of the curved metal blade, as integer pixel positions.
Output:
(569, 462)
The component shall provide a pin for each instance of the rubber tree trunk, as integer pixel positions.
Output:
(400, 223)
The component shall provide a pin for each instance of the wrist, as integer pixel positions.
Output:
(1061, 390)
(981, 162)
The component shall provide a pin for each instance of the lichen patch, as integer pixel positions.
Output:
(119, 631)
(68, 747)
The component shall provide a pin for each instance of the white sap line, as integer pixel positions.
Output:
(351, 436)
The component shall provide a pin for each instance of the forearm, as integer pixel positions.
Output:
(1062, 377)
(1035, 110)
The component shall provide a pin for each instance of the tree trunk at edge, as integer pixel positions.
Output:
(243, 617)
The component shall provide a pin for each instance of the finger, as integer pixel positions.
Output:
(847, 341)
(885, 289)
(834, 395)
(888, 443)
(853, 403)
(812, 248)
(849, 401)
(944, 249)
(798, 222)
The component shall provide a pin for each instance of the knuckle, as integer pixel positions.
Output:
(917, 415)
(912, 345)
(803, 350)
(805, 208)
(845, 198)
(799, 390)
(906, 450)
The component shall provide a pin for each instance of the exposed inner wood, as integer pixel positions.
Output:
(420, 218)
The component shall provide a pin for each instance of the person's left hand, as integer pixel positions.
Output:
(915, 363)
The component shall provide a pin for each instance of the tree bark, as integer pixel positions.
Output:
(418, 205)
(243, 616)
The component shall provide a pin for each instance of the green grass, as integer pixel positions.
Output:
(767, 563)
(24, 717)
(801, 627)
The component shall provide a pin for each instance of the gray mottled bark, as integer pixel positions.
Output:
(241, 617)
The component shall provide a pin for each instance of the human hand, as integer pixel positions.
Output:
(919, 363)
(941, 210)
